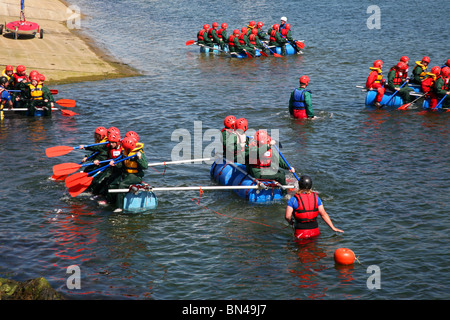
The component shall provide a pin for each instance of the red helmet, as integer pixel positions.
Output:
(288, 26)
(448, 63)
(9, 68)
(230, 122)
(244, 30)
(304, 80)
(262, 137)
(401, 66)
(132, 134)
(378, 64)
(255, 31)
(404, 59)
(35, 77)
(129, 143)
(259, 24)
(102, 131)
(224, 25)
(206, 26)
(113, 130)
(113, 137)
(236, 32)
(242, 124)
(436, 70)
(41, 78)
(215, 24)
(33, 73)
(426, 59)
(252, 23)
(20, 69)
(445, 72)
(276, 27)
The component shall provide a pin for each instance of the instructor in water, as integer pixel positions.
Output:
(302, 211)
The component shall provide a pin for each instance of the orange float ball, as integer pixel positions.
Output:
(344, 256)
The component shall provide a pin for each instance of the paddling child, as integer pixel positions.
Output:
(212, 34)
(442, 87)
(376, 82)
(222, 35)
(132, 170)
(228, 130)
(46, 93)
(303, 209)
(33, 96)
(286, 33)
(245, 44)
(300, 101)
(397, 78)
(8, 72)
(99, 185)
(428, 84)
(99, 152)
(5, 97)
(276, 39)
(420, 70)
(255, 41)
(237, 142)
(263, 163)
(202, 36)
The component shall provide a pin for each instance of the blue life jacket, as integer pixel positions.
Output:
(299, 99)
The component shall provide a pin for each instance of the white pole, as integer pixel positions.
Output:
(195, 188)
(179, 162)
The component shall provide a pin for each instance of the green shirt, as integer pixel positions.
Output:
(308, 104)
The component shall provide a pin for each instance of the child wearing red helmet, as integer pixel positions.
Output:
(132, 170)
(263, 163)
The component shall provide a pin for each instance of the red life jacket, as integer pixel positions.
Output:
(114, 152)
(241, 38)
(263, 161)
(446, 85)
(231, 41)
(200, 35)
(272, 36)
(210, 33)
(18, 79)
(252, 39)
(400, 76)
(284, 32)
(307, 211)
(219, 33)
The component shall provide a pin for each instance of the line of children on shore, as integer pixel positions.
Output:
(255, 152)
(27, 91)
(118, 174)
(249, 38)
(433, 84)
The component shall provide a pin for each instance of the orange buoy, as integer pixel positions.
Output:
(344, 256)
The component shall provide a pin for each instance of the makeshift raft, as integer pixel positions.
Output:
(217, 50)
(141, 198)
(228, 173)
(396, 101)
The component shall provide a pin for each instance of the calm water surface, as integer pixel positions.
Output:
(383, 175)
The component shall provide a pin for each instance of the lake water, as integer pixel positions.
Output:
(383, 174)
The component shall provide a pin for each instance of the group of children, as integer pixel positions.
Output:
(433, 84)
(126, 166)
(255, 152)
(27, 91)
(249, 38)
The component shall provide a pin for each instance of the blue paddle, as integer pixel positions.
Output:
(439, 105)
(290, 168)
(396, 91)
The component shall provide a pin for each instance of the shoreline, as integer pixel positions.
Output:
(63, 55)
